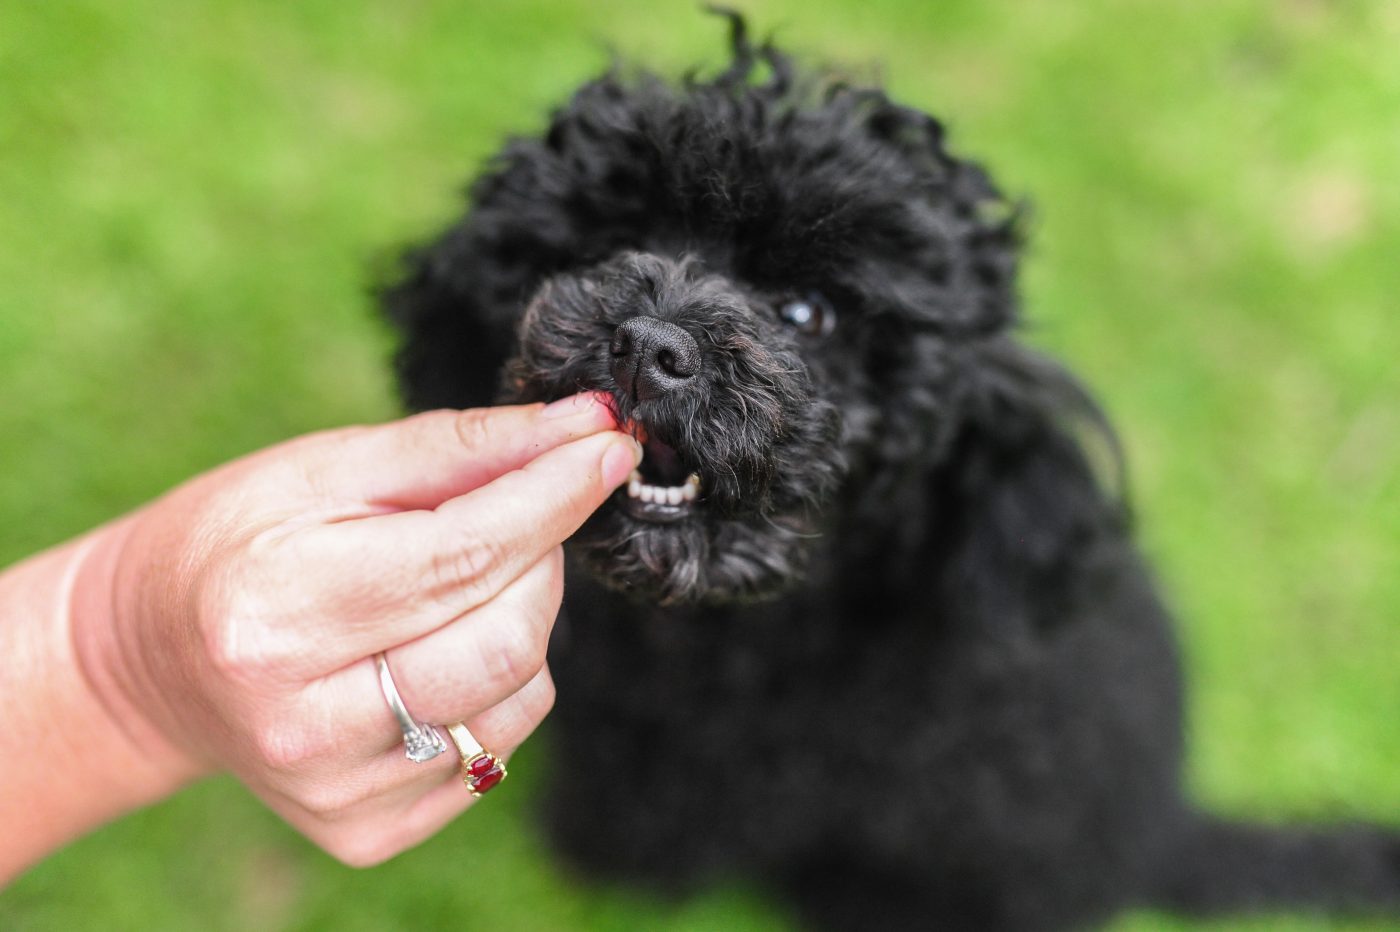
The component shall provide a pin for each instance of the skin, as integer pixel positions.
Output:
(231, 626)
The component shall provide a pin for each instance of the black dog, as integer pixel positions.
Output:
(868, 622)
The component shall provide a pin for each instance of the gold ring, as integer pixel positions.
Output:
(481, 769)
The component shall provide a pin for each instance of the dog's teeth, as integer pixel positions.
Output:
(688, 491)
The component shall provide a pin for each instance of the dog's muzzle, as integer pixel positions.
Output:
(651, 358)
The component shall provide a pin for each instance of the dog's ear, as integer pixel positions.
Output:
(981, 228)
(452, 350)
(1023, 396)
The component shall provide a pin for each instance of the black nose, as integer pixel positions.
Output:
(651, 357)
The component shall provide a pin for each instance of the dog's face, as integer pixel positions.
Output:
(772, 282)
(720, 379)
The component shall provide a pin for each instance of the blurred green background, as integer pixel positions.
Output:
(196, 197)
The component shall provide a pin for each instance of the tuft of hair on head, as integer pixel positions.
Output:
(747, 58)
(743, 51)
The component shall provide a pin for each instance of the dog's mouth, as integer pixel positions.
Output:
(663, 488)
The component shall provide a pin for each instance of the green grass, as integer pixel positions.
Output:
(194, 199)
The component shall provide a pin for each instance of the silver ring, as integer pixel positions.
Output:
(421, 742)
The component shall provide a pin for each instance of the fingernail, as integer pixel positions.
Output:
(586, 402)
(620, 460)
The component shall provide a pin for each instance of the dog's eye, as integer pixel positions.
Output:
(811, 315)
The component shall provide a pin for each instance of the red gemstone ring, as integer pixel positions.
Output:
(481, 770)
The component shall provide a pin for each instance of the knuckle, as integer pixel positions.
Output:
(514, 658)
(542, 703)
(237, 624)
(466, 568)
(359, 849)
(285, 749)
(236, 651)
(244, 652)
(330, 801)
(474, 427)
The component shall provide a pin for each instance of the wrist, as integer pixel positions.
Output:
(115, 651)
(79, 751)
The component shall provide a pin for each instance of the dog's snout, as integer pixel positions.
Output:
(651, 357)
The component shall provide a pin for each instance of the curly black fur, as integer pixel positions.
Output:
(902, 657)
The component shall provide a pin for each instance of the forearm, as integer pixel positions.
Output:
(75, 753)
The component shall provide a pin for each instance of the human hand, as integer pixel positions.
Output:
(232, 623)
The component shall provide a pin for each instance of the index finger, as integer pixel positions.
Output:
(424, 460)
